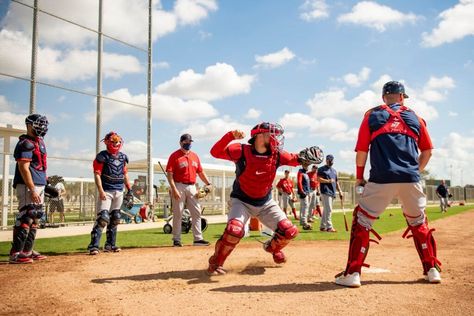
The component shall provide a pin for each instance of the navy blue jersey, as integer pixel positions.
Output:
(303, 183)
(395, 134)
(31, 149)
(442, 190)
(112, 170)
(327, 173)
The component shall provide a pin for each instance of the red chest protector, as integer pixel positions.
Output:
(255, 172)
(395, 124)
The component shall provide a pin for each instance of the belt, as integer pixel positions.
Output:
(188, 183)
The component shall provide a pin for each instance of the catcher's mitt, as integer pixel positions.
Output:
(450, 195)
(204, 191)
(311, 155)
(128, 200)
(50, 191)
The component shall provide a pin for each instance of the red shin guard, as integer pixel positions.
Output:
(233, 232)
(359, 245)
(285, 232)
(425, 245)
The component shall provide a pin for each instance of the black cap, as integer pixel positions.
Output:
(394, 87)
(186, 137)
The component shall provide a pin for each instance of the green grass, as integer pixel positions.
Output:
(156, 237)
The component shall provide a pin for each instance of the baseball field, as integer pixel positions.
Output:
(165, 280)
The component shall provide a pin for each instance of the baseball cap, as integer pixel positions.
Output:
(394, 87)
(186, 137)
(329, 157)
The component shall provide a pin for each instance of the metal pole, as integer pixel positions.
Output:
(149, 109)
(99, 81)
(34, 57)
(5, 182)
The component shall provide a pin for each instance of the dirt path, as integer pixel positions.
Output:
(172, 280)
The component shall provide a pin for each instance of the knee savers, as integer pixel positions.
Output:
(29, 214)
(103, 218)
(283, 234)
(115, 217)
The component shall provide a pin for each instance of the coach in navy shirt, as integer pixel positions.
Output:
(327, 177)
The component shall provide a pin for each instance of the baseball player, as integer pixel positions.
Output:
(394, 135)
(57, 204)
(314, 194)
(182, 168)
(303, 193)
(329, 183)
(29, 182)
(256, 165)
(110, 175)
(288, 197)
(443, 193)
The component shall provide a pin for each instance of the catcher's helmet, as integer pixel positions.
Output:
(276, 132)
(394, 87)
(39, 124)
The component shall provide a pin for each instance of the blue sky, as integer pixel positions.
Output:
(313, 66)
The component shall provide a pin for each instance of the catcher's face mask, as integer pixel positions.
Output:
(273, 134)
(113, 141)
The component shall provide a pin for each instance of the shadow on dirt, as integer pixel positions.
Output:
(302, 287)
(192, 276)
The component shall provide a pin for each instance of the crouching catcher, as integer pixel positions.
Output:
(256, 165)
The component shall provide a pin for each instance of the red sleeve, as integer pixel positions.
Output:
(170, 163)
(232, 152)
(288, 159)
(97, 166)
(424, 141)
(199, 168)
(363, 140)
(279, 184)
(300, 182)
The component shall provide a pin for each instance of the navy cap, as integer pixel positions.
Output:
(329, 157)
(394, 87)
(186, 137)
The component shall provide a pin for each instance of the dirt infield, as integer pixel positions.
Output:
(173, 281)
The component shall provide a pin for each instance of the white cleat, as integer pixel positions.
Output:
(433, 276)
(350, 280)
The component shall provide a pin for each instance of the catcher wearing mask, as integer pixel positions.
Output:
(256, 166)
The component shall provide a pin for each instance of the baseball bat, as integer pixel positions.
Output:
(344, 213)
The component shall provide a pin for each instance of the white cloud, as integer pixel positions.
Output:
(347, 155)
(59, 143)
(215, 128)
(161, 65)
(274, 60)
(204, 35)
(456, 23)
(135, 149)
(253, 114)
(192, 11)
(64, 65)
(456, 150)
(377, 16)
(453, 114)
(14, 119)
(314, 10)
(436, 88)
(124, 19)
(346, 136)
(218, 81)
(355, 80)
(5, 105)
(165, 108)
(326, 126)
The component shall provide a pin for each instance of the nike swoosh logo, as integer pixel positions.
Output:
(260, 172)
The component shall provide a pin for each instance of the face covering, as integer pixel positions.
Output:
(186, 146)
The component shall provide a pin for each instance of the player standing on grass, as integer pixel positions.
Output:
(394, 135)
(29, 182)
(285, 188)
(256, 166)
(110, 175)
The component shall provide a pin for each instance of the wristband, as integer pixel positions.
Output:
(360, 172)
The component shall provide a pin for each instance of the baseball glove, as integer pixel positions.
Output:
(50, 191)
(311, 155)
(450, 195)
(204, 191)
(128, 200)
